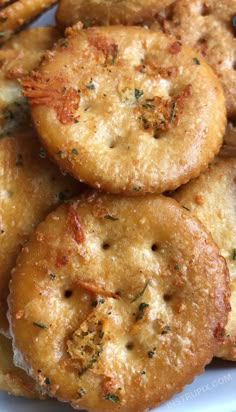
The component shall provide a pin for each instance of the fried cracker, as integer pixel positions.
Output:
(127, 110)
(212, 198)
(122, 300)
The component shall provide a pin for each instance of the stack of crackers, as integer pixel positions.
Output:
(117, 199)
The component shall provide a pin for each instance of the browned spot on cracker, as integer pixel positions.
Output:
(159, 114)
(108, 48)
(75, 225)
(175, 47)
(61, 260)
(51, 93)
(199, 199)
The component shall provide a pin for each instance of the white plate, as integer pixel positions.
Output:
(213, 391)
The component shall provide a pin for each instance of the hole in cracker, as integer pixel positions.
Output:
(129, 346)
(167, 297)
(68, 293)
(205, 11)
(105, 246)
(154, 247)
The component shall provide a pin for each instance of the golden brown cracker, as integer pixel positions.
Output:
(30, 187)
(127, 110)
(212, 198)
(128, 296)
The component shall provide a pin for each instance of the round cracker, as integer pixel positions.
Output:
(18, 57)
(12, 379)
(212, 198)
(127, 110)
(210, 28)
(30, 187)
(128, 295)
(107, 12)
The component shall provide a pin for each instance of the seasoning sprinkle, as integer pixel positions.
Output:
(90, 86)
(234, 253)
(52, 276)
(111, 397)
(109, 217)
(141, 308)
(40, 325)
(47, 381)
(196, 61)
(138, 93)
(173, 110)
(140, 293)
(19, 161)
(3, 33)
(74, 151)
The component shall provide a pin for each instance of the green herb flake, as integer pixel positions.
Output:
(143, 373)
(186, 208)
(234, 253)
(177, 267)
(138, 93)
(141, 308)
(52, 276)
(3, 33)
(137, 188)
(111, 397)
(90, 86)
(40, 325)
(81, 393)
(47, 381)
(94, 303)
(115, 53)
(76, 121)
(151, 354)
(74, 151)
(101, 334)
(64, 44)
(173, 110)
(196, 61)
(60, 152)
(42, 153)
(140, 293)
(165, 330)
(109, 217)
(19, 161)
(148, 106)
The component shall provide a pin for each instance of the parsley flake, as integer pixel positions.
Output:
(42, 153)
(74, 151)
(40, 325)
(47, 381)
(52, 276)
(196, 61)
(138, 93)
(140, 293)
(109, 217)
(90, 86)
(19, 161)
(234, 253)
(111, 397)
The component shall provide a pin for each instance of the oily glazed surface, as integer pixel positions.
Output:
(126, 109)
(107, 12)
(18, 13)
(128, 295)
(30, 187)
(18, 57)
(12, 379)
(212, 198)
(210, 28)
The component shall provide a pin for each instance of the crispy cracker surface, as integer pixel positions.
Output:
(12, 379)
(122, 299)
(30, 187)
(126, 109)
(18, 57)
(210, 28)
(107, 12)
(212, 198)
